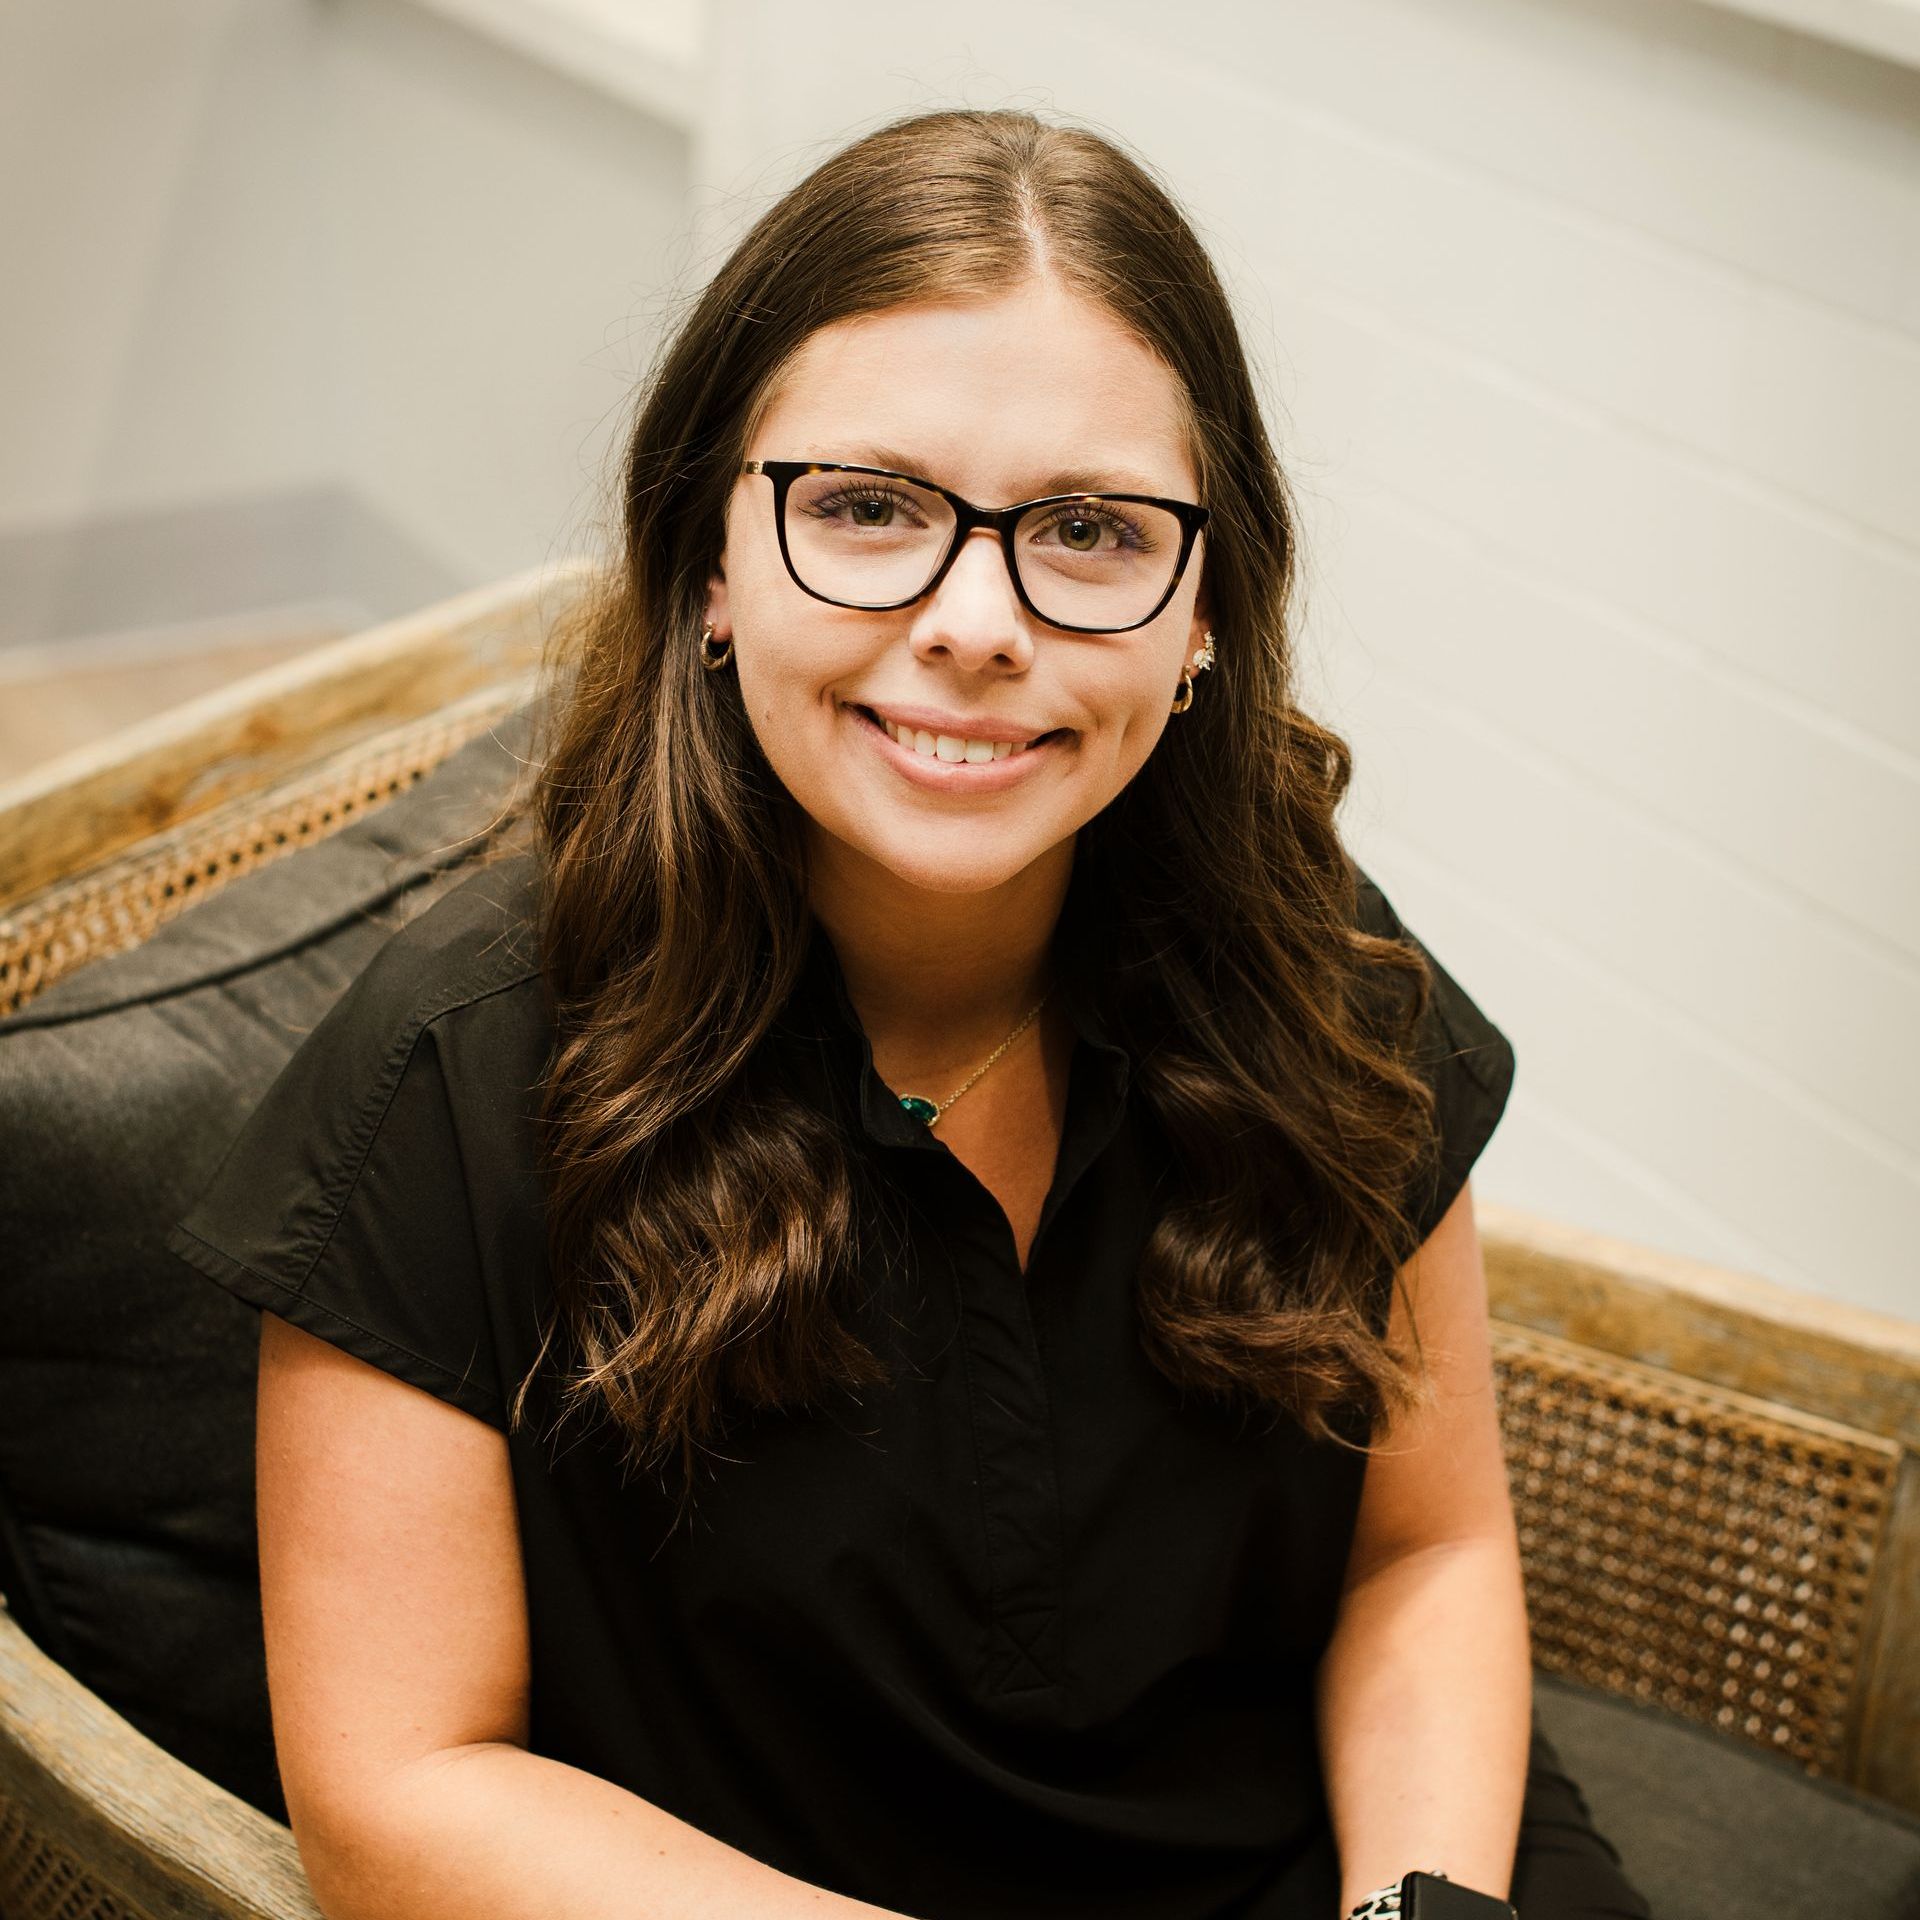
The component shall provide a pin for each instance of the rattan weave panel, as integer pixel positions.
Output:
(1691, 1548)
(40, 1880)
(116, 906)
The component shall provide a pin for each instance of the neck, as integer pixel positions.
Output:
(939, 974)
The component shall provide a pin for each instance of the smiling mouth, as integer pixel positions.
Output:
(954, 748)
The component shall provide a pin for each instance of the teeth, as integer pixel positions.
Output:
(951, 747)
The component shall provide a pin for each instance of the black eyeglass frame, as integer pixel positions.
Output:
(966, 516)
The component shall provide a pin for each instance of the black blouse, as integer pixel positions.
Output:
(1021, 1632)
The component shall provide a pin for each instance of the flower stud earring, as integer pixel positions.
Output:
(1201, 661)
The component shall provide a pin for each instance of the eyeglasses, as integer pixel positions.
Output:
(1086, 562)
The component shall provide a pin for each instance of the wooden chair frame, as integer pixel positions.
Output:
(1718, 1446)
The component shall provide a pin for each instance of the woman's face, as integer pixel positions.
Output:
(1003, 399)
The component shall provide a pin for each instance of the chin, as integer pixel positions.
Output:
(966, 861)
(973, 874)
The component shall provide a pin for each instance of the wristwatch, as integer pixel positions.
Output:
(1430, 1896)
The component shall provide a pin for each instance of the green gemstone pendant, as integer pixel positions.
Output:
(920, 1109)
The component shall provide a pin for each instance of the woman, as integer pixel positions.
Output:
(884, 1316)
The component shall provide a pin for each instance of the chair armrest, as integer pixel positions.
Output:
(1846, 1378)
(154, 1834)
(159, 775)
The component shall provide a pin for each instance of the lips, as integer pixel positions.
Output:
(983, 772)
(994, 734)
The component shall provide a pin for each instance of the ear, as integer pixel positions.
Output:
(718, 616)
(1202, 617)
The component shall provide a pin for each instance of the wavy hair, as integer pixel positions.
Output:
(702, 1221)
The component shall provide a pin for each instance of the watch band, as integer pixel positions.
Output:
(1383, 1903)
(1390, 1902)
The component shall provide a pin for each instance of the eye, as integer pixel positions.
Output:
(870, 508)
(1094, 526)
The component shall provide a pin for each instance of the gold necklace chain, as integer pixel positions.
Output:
(924, 1109)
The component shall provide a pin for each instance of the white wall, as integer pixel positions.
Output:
(500, 239)
(336, 262)
(1593, 329)
(157, 342)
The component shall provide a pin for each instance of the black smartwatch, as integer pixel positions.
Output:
(1431, 1896)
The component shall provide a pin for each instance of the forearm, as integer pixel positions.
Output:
(496, 1833)
(1425, 1703)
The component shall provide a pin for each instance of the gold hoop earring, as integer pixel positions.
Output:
(712, 661)
(1201, 661)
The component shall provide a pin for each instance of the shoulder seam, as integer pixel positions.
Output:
(380, 1098)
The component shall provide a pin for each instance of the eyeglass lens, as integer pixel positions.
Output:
(865, 540)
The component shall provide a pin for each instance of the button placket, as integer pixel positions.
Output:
(1011, 1419)
(1021, 1667)
(1023, 1653)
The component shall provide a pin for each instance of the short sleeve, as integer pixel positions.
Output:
(1463, 1057)
(343, 1204)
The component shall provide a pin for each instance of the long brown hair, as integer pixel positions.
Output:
(701, 1224)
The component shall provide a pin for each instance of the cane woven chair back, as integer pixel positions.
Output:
(1694, 1548)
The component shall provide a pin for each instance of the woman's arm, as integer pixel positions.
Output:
(1425, 1691)
(398, 1671)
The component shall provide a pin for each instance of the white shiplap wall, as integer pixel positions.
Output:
(260, 253)
(496, 237)
(157, 344)
(1593, 335)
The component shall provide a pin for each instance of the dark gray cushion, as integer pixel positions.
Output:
(1710, 1829)
(127, 1545)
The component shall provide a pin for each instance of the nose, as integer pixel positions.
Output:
(974, 616)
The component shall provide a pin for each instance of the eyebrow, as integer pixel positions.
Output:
(1068, 480)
